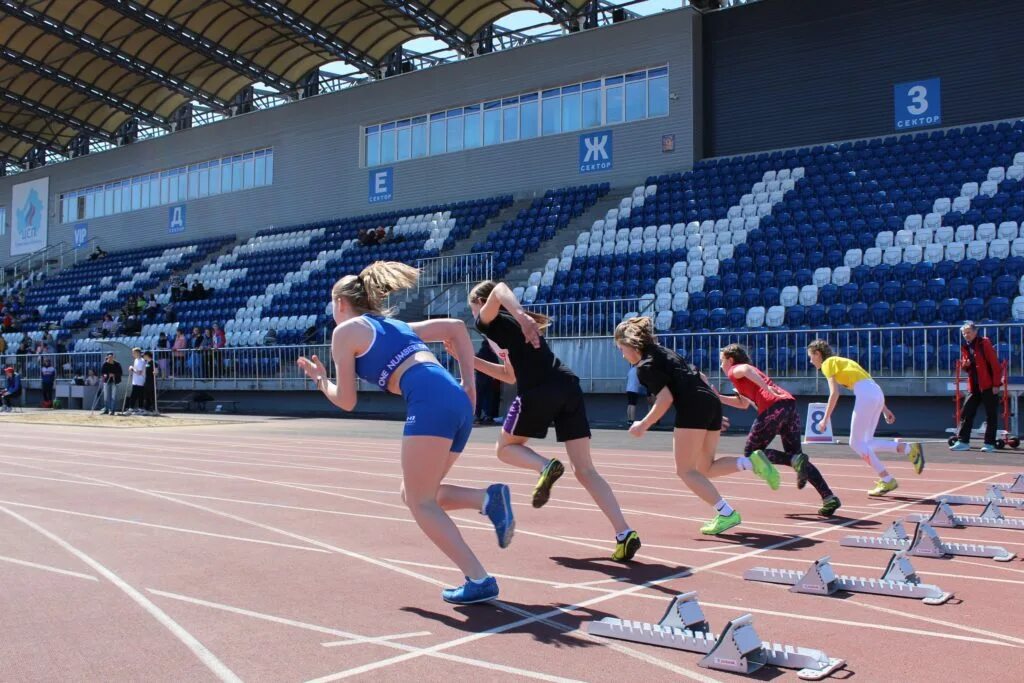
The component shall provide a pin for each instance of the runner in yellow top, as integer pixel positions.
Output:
(869, 404)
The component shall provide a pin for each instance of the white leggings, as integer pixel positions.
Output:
(867, 408)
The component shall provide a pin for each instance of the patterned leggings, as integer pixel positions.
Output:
(782, 420)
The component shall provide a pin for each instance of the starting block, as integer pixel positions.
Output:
(738, 649)
(992, 517)
(925, 543)
(992, 494)
(1016, 486)
(899, 580)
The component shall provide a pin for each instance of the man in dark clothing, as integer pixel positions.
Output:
(48, 376)
(488, 389)
(149, 397)
(984, 377)
(11, 389)
(110, 375)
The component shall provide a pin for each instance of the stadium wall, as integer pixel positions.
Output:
(786, 73)
(316, 142)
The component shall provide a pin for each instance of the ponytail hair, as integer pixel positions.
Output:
(482, 291)
(822, 347)
(636, 333)
(368, 291)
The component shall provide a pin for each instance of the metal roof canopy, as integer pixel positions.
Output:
(87, 67)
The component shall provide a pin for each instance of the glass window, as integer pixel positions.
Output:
(204, 178)
(110, 197)
(404, 140)
(183, 181)
(636, 96)
(261, 171)
(437, 134)
(270, 167)
(571, 108)
(613, 105)
(136, 193)
(528, 117)
(373, 147)
(473, 132)
(510, 122)
(657, 94)
(387, 143)
(551, 113)
(454, 130)
(492, 123)
(419, 137)
(248, 168)
(592, 104)
(90, 206)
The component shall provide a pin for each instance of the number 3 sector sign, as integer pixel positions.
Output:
(918, 103)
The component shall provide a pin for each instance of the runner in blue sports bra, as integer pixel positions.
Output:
(393, 355)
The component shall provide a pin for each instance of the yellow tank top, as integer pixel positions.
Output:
(846, 372)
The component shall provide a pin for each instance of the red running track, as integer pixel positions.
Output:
(280, 550)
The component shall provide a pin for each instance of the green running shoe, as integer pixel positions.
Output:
(548, 476)
(916, 455)
(721, 524)
(764, 469)
(799, 463)
(829, 506)
(627, 547)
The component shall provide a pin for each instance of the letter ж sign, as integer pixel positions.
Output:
(595, 151)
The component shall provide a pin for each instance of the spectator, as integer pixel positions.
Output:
(382, 236)
(8, 322)
(3, 346)
(198, 291)
(11, 390)
(179, 346)
(271, 337)
(163, 345)
(138, 372)
(92, 379)
(220, 339)
(208, 347)
(97, 254)
(170, 315)
(149, 387)
(108, 326)
(25, 347)
(110, 373)
(488, 389)
(132, 326)
(196, 342)
(984, 377)
(48, 376)
(151, 311)
(364, 238)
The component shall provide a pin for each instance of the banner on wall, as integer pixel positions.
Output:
(595, 151)
(382, 185)
(918, 103)
(176, 219)
(81, 234)
(28, 219)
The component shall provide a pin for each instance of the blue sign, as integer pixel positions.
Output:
(918, 103)
(81, 234)
(596, 151)
(176, 219)
(382, 185)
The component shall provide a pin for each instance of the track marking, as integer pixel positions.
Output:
(162, 526)
(217, 667)
(374, 640)
(47, 568)
(66, 481)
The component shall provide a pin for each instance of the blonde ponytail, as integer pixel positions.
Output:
(482, 291)
(636, 333)
(368, 291)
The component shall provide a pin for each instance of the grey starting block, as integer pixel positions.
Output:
(899, 580)
(992, 494)
(738, 649)
(925, 543)
(992, 517)
(1015, 486)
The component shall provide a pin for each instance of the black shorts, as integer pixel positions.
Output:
(632, 398)
(699, 409)
(559, 402)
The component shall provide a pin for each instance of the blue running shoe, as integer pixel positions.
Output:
(470, 592)
(499, 511)
(960, 446)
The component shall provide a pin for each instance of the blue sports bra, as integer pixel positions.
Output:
(393, 342)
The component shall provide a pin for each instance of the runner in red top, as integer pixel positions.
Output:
(776, 416)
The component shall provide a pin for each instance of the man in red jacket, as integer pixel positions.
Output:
(984, 377)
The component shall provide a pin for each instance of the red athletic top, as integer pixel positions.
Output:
(762, 398)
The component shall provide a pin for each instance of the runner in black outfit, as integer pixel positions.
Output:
(548, 393)
(698, 422)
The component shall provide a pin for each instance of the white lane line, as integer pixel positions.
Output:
(65, 481)
(374, 639)
(209, 659)
(344, 634)
(163, 526)
(47, 568)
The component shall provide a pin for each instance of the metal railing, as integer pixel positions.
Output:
(590, 318)
(49, 258)
(918, 354)
(454, 269)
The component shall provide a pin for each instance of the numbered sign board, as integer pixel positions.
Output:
(918, 103)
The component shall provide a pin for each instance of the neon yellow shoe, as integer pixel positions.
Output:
(548, 476)
(883, 487)
(764, 469)
(916, 456)
(721, 524)
(627, 547)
